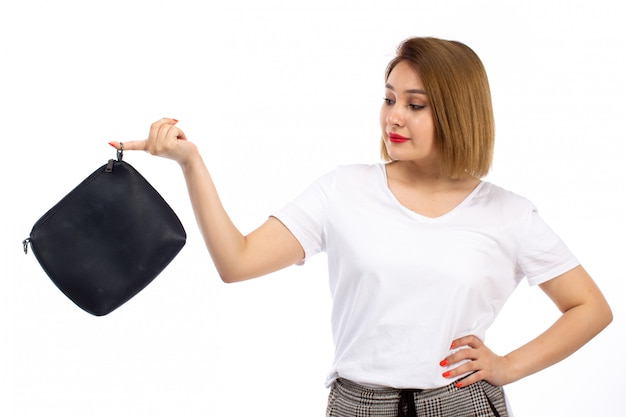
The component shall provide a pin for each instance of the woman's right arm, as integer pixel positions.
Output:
(237, 257)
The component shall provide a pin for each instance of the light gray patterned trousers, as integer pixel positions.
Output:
(481, 399)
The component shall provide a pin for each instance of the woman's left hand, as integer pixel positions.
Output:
(484, 364)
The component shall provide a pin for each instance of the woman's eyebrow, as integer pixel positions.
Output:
(409, 91)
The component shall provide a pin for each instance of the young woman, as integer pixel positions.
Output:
(422, 253)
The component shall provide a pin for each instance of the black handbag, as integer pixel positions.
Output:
(107, 239)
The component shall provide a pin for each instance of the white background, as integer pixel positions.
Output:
(276, 93)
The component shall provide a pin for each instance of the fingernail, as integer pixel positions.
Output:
(175, 120)
(113, 144)
(452, 345)
(443, 363)
(446, 374)
(458, 384)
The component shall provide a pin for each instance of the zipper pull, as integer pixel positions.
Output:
(119, 154)
(25, 243)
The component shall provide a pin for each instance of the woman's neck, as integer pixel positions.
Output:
(427, 176)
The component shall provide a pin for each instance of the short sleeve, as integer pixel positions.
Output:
(306, 215)
(543, 255)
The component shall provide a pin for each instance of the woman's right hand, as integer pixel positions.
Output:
(165, 139)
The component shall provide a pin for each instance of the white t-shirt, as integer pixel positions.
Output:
(404, 285)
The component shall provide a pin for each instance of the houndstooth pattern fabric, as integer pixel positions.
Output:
(481, 399)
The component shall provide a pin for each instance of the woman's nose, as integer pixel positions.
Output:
(394, 117)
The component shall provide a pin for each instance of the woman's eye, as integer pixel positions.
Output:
(388, 101)
(416, 106)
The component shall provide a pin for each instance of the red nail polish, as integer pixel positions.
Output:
(175, 120)
(113, 144)
(452, 345)
(458, 384)
(443, 363)
(446, 374)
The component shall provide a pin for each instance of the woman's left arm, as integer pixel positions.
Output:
(585, 313)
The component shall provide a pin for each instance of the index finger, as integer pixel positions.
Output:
(133, 145)
(469, 340)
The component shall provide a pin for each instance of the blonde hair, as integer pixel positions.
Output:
(458, 92)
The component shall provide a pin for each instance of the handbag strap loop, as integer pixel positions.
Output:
(120, 152)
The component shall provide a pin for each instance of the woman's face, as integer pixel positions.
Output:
(406, 118)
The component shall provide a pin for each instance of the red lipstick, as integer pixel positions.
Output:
(395, 138)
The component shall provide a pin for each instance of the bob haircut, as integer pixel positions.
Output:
(458, 92)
